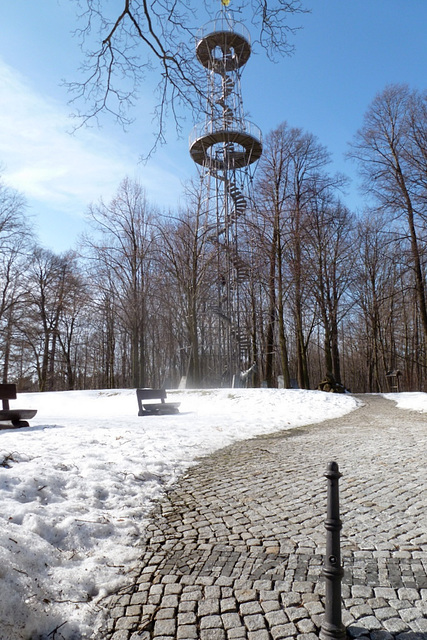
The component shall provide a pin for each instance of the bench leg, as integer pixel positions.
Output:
(20, 423)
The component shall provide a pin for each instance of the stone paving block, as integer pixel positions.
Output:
(361, 591)
(422, 606)
(270, 605)
(395, 625)
(400, 604)
(212, 634)
(408, 594)
(211, 622)
(133, 610)
(140, 597)
(261, 585)
(254, 622)
(305, 626)
(276, 618)
(236, 633)
(303, 587)
(191, 592)
(127, 622)
(260, 634)
(208, 607)
(187, 632)
(289, 599)
(409, 614)
(231, 620)
(361, 610)
(148, 610)
(354, 602)
(385, 592)
(310, 597)
(205, 580)
(155, 598)
(346, 616)
(169, 602)
(228, 604)
(117, 612)
(172, 588)
(186, 618)
(251, 607)
(314, 607)
(165, 627)
(296, 613)
(168, 578)
(383, 613)
(280, 632)
(320, 588)
(245, 595)
(419, 625)
(376, 603)
(381, 635)
(370, 623)
(187, 605)
(120, 635)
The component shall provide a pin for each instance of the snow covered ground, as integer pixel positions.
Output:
(414, 401)
(76, 488)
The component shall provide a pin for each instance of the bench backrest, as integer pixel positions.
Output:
(7, 391)
(151, 394)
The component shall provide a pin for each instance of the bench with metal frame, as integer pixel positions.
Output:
(155, 408)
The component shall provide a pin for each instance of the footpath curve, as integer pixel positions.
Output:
(235, 549)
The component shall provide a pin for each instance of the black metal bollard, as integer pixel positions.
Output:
(332, 626)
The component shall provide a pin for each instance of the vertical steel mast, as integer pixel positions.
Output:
(225, 145)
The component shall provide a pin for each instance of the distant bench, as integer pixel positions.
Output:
(18, 417)
(155, 408)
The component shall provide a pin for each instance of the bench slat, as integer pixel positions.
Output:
(151, 394)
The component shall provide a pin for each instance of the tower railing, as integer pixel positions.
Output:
(237, 125)
(223, 24)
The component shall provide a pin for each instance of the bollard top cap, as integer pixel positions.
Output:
(332, 470)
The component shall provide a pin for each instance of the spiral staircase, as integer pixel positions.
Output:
(225, 145)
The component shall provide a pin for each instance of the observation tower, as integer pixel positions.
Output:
(226, 146)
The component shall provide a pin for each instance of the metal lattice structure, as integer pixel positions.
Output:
(225, 146)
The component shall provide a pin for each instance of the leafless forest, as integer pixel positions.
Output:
(328, 289)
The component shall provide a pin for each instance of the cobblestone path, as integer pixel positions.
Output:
(235, 549)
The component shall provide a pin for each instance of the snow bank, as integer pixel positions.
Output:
(413, 400)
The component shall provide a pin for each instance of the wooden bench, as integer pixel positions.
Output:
(18, 417)
(154, 408)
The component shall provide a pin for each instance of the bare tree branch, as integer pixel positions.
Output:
(155, 40)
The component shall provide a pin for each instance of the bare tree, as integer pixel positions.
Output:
(391, 153)
(273, 193)
(292, 176)
(136, 39)
(330, 248)
(15, 244)
(121, 253)
(50, 284)
(186, 258)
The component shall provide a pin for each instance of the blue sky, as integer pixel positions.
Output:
(346, 52)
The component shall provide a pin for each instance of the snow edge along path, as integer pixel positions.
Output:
(77, 487)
